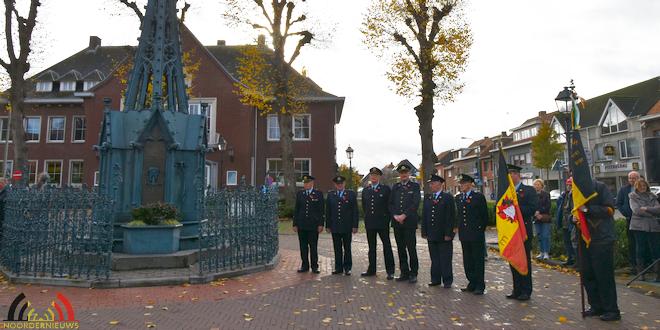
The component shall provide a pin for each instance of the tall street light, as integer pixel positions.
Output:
(565, 102)
(349, 154)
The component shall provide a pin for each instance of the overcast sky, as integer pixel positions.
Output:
(524, 52)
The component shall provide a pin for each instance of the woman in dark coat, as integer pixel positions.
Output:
(542, 220)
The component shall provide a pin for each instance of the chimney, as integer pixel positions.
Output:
(261, 40)
(542, 114)
(222, 43)
(503, 134)
(94, 42)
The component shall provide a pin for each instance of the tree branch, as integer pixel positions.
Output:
(401, 39)
(438, 15)
(260, 3)
(186, 6)
(9, 8)
(132, 5)
(258, 26)
(305, 39)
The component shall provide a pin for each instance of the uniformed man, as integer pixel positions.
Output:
(375, 199)
(472, 221)
(438, 227)
(597, 261)
(527, 201)
(341, 219)
(404, 202)
(308, 223)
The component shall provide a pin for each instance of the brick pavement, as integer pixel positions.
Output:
(283, 299)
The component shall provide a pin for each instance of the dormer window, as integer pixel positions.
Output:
(67, 86)
(89, 84)
(613, 120)
(44, 86)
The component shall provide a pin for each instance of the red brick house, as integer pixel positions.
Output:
(65, 108)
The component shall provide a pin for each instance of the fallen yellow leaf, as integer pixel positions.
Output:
(562, 319)
(113, 322)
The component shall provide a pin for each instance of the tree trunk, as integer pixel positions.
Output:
(424, 113)
(286, 146)
(17, 96)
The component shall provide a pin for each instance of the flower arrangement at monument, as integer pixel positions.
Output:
(155, 214)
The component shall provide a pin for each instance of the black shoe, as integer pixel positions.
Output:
(568, 263)
(478, 292)
(592, 312)
(434, 283)
(402, 278)
(468, 289)
(413, 279)
(512, 296)
(390, 277)
(611, 316)
(303, 270)
(447, 286)
(367, 274)
(335, 272)
(316, 271)
(347, 273)
(523, 297)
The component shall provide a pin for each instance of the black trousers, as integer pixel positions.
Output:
(308, 240)
(342, 246)
(473, 263)
(632, 246)
(406, 245)
(441, 254)
(387, 249)
(522, 284)
(597, 269)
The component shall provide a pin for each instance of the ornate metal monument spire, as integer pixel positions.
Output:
(157, 80)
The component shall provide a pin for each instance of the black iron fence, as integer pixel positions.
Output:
(57, 232)
(239, 229)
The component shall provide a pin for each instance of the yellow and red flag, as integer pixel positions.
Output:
(511, 232)
(583, 187)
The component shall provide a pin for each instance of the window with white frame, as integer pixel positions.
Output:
(76, 173)
(302, 167)
(195, 108)
(54, 170)
(528, 157)
(628, 148)
(518, 160)
(96, 178)
(67, 86)
(516, 136)
(32, 171)
(274, 169)
(232, 178)
(272, 128)
(449, 173)
(32, 127)
(44, 86)
(614, 120)
(4, 129)
(302, 127)
(8, 170)
(79, 129)
(534, 131)
(56, 129)
(88, 84)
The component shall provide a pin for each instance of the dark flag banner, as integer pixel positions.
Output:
(583, 187)
(511, 233)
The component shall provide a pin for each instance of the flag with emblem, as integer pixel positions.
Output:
(583, 186)
(511, 232)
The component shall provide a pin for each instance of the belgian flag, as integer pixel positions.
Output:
(583, 186)
(511, 232)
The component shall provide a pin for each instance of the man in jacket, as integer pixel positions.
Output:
(375, 199)
(438, 224)
(308, 223)
(341, 219)
(597, 260)
(404, 202)
(472, 212)
(565, 222)
(527, 201)
(623, 205)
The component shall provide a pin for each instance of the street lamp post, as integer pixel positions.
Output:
(349, 154)
(567, 97)
(222, 144)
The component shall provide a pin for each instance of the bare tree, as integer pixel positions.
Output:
(18, 36)
(271, 85)
(426, 43)
(133, 5)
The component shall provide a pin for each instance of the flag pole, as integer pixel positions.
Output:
(580, 274)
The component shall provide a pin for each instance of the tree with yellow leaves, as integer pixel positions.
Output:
(426, 43)
(267, 81)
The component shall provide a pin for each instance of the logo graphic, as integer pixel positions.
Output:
(507, 210)
(22, 315)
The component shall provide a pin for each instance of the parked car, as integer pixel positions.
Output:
(655, 189)
(554, 194)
